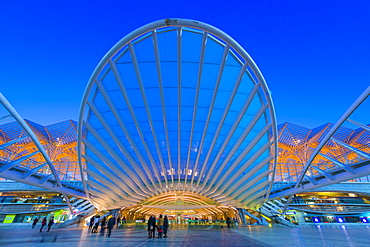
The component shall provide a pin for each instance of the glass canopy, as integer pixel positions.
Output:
(177, 106)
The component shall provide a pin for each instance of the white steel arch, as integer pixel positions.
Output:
(177, 106)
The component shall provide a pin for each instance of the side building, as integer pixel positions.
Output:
(22, 203)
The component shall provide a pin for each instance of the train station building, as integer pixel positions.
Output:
(177, 119)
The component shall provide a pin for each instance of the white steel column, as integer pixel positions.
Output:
(199, 78)
(214, 96)
(165, 123)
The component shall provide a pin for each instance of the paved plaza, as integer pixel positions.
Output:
(193, 236)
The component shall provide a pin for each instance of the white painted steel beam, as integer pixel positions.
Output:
(236, 183)
(362, 126)
(223, 118)
(164, 114)
(138, 128)
(34, 170)
(126, 185)
(138, 184)
(196, 99)
(245, 152)
(222, 177)
(312, 180)
(214, 96)
(227, 139)
(122, 147)
(115, 169)
(154, 133)
(338, 163)
(17, 161)
(110, 184)
(179, 93)
(356, 150)
(5, 117)
(254, 193)
(124, 128)
(7, 144)
(321, 171)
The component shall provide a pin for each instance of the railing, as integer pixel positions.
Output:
(29, 207)
(334, 208)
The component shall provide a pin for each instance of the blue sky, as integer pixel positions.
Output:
(315, 55)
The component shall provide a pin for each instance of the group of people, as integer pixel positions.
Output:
(43, 223)
(161, 226)
(104, 223)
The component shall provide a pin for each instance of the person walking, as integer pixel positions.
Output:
(51, 222)
(111, 223)
(96, 224)
(165, 226)
(118, 221)
(43, 223)
(236, 224)
(160, 226)
(228, 222)
(35, 222)
(102, 226)
(151, 227)
(91, 222)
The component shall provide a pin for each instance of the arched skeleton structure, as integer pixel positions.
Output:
(177, 106)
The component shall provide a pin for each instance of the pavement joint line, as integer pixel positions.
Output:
(208, 228)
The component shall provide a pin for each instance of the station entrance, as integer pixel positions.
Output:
(181, 209)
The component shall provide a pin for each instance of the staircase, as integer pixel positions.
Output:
(272, 209)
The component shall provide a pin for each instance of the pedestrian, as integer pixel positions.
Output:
(102, 226)
(228, 222)
(111, 223)
(91, 222)
(151, 227)
(96, 224)
(43, 223)
(236, 224)
(160, 226)
(160, 232)
(51, 222)
(165, 226)
(35, 222)
(118, 221)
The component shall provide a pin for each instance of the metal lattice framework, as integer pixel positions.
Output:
(22, 166)
(352, 163)
(177, 106)
(297, 143)
(59, 141)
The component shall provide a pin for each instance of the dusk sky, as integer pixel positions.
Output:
(314, 55)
